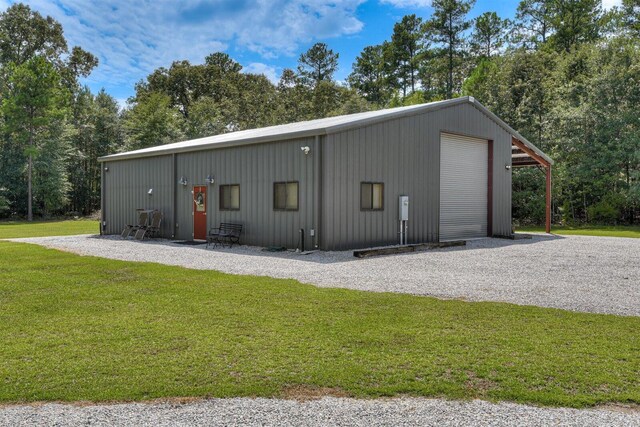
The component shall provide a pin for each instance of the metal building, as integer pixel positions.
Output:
(336, 181)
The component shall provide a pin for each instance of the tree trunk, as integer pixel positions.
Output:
(450, 80)
(411, 68)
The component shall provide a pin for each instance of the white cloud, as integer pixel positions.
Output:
(608, 4)
(407, 4)
(122, 103)
(132, 38)
(259, 68)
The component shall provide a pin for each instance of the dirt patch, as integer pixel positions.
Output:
(479, 384)
(304, 393)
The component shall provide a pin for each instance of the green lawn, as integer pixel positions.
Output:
(594, 230)
(83, 328)
(15, 229)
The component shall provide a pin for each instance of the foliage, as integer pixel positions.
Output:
(447, 28)
(369, 76)
(132, 331)
(631, 16)
(25, 34)
(4, 202)
(532, 24)
(574, 22)
(406, 47)
(318, 64)
(489, 34)
(152, 121)
(39, 81)
(564, 73)
(34, 114)
(98, 132)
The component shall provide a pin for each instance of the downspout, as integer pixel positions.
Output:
(174, 198)
(317, 190)
(103, 166)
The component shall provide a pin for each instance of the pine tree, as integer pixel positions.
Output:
(368, 77)
(34, 111)
(489, 34)
(533, 20)
(318, 64)
(447, 27)
(406, 42)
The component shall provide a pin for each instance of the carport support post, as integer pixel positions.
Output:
(548, 201)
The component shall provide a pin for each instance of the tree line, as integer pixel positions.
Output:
(565, 73)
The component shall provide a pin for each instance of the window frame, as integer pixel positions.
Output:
(221, 197)
(372, 184)
(286, 183)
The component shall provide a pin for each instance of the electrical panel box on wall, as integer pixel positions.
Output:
(403, 208)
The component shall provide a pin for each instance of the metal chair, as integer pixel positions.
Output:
(143, 219)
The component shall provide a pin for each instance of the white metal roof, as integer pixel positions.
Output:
(309, 128)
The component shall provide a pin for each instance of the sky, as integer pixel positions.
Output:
(131, 38)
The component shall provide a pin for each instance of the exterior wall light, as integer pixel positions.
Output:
(507, 167)
(106, 168)
(150, 192)
(306, 149)
(210, 180)
(183, 181)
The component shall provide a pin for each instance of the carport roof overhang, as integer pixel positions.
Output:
(523, 156)
(318, 127)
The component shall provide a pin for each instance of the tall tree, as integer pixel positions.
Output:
(318, 64)
(369, 77)
(489, 34)
(98, 132)
(406, 42)
(152, 121)
(182, 82)
(447, 27)
(27, 39)
(33, 109)
(25, 34)
(575, 22)
(294, 98)
(533, 19)
(209, 117)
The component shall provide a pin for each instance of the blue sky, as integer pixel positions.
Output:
(131, 38)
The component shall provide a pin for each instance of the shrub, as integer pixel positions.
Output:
(607, 211)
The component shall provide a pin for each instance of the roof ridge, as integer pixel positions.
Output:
(308, 128)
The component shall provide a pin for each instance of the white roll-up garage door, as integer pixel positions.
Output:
(463, 187)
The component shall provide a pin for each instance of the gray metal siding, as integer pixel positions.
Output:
(403, 153)
(126, 184)
(255, 168)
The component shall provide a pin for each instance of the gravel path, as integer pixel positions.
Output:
(325, 412)
(580, 273)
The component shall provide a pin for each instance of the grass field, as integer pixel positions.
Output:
(15, 229)
(595, 230)
(83, 328)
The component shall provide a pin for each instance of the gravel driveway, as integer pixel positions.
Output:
(325, 412)
(580, 273)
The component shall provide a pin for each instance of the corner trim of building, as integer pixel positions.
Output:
(490, 190)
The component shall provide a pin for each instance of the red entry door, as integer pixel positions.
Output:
(199, 212)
